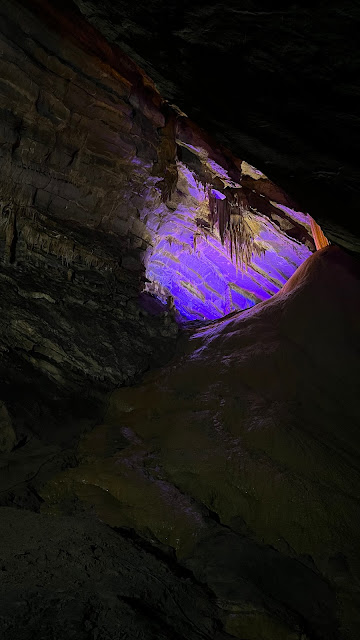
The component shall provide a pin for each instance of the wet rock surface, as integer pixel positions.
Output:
(242, 455)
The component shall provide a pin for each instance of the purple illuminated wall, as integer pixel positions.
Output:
(194, 267)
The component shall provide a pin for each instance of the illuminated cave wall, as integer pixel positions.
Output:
(189, 262)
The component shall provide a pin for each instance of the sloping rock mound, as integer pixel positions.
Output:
(244, 456)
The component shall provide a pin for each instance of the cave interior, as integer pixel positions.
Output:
(179, 327)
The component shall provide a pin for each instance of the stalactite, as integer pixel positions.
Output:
(166, 166)
(229, 217)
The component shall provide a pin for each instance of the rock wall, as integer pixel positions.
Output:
(80, 145)
(88, 149)
(90, 183)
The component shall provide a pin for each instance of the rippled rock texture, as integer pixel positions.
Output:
(243, 456)
(79, 143)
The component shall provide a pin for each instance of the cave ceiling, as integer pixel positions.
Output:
(277, 84)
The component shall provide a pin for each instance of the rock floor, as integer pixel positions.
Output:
(226, 482)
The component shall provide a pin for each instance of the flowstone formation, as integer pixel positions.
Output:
(223, 458)
(209, 269)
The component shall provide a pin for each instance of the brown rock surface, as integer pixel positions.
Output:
(243, 455)
(79, 142)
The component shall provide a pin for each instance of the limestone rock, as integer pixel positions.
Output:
(243, 455)
(71, 239)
